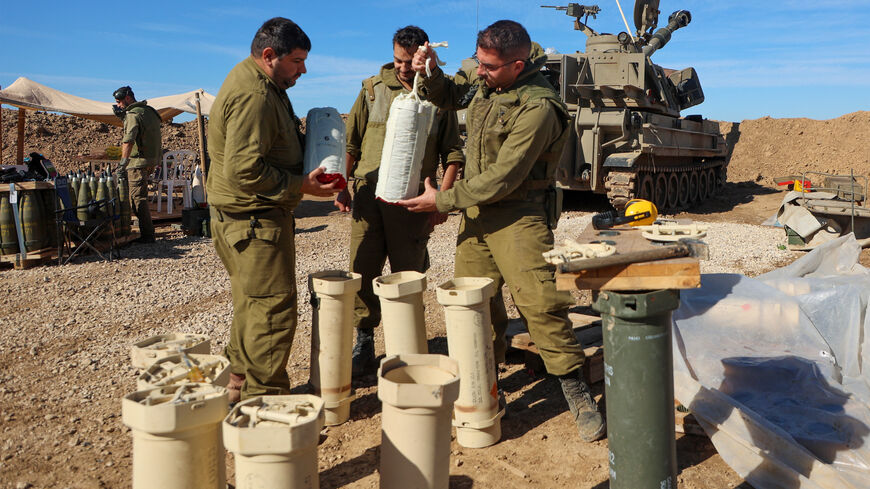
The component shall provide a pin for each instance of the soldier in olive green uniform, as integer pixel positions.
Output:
(141, 152)
(380, 230)
(517, 127)
(254, 183)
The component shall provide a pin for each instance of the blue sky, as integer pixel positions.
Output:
(783, 58)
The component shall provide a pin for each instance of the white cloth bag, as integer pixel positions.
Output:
(325, 140)
(408, 127)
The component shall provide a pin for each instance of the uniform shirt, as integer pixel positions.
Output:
(142, 128)
(367, 126)
(515, 137)
(254, 143)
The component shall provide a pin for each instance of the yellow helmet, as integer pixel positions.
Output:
(642, 212)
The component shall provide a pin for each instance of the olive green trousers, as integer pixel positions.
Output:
(505, 241)
(139, 179)
(258, 252)
(379, 231)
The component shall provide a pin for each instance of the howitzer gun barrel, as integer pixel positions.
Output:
(677, 20)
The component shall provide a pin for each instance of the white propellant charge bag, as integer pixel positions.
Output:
(408, 127)
(325, 141)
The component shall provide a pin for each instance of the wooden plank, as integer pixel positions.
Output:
(31, 259)
(588, 334)
(20, 186)
(673, 273)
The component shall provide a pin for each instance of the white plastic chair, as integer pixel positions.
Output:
(177, 166)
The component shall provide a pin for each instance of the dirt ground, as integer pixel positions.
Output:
(60, 386)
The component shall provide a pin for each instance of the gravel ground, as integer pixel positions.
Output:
(65, 334)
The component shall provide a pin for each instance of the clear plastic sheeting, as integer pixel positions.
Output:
(775, 369)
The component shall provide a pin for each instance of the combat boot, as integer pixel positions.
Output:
(590, 422)
(363, 361)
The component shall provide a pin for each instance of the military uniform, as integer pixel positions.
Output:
(515, 140)
(380, 230)
(254, 184)
(142, 128)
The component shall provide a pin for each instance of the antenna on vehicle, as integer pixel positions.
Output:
(627, 28)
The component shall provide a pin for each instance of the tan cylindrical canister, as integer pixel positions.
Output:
(477, 416)
(274, 440)
(177, 436)
(332, 293)
(144, 353)
(401, 296)
(417, 393)
(211, 369)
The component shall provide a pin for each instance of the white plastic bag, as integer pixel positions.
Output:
(408, 128)
(325, 141)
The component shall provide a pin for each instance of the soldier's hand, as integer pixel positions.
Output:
(343, 201)
(311, 186)
(423, 55)
(424, 202)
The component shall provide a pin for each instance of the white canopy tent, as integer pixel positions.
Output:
(29, 95)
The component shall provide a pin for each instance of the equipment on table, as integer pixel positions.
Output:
(572, 251)
(637, 212)
(672, 231)
(683, 247)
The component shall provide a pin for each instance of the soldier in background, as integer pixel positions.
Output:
(381, 230)
(141, 152)
(254, 184)
(517, 128)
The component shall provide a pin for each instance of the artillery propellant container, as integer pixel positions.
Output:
(84, 198)
(175, 369)
(417, 394)
(628, 139)
(332, 296)
(478, 412)
(144, 353)
(30, 210)
(401, 298)
(639, 387)
(50, 204)
(177, 436)
(274, 440)
(8, 233)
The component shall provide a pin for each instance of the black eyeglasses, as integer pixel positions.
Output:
(490, 68)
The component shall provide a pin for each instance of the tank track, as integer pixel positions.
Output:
(623, 186)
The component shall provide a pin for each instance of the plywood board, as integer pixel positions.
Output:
(673, 273)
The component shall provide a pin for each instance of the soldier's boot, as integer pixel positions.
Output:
(590, 422)
(234, 387)
(363, 361)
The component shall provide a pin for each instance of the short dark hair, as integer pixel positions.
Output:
(508, 38)
(121, 93)
(410, 36)
(280, 34)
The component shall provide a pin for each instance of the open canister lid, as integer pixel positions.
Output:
(274, 424)
(144, 353)
(174, 369)
(179, 407)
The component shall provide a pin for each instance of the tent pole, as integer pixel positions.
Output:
(200, 135)
(21, 116)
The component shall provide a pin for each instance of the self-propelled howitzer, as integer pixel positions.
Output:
(628, 139)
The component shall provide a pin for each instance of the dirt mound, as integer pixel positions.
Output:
(762, 149)
(766, 148)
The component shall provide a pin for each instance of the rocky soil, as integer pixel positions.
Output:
(65, 332)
